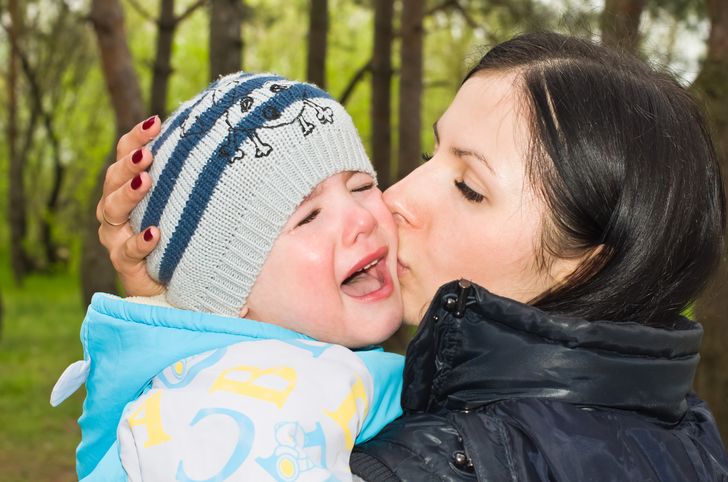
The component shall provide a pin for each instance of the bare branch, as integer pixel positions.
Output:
(190, 10)
(141, 10)
(468, 19)
(37, 94)
(455, 5)
(355, 79)
(442, 6)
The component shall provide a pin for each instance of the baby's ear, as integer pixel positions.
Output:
(244, 311)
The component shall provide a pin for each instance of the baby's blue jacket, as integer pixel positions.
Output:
(126, 344)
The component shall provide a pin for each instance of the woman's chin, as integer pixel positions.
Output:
(416, 299)
(414, 308)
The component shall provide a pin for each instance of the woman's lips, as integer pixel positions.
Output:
(402, 268)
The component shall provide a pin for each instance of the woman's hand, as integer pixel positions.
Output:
(125, 185)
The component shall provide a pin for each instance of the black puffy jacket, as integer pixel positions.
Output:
(496, 390)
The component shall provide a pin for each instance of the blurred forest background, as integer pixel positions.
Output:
(75, 74)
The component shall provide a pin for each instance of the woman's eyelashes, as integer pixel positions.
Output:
(468, 192)
(312, 215)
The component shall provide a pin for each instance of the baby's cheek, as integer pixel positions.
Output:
(315, 268)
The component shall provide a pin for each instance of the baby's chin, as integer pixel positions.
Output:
(375, 334)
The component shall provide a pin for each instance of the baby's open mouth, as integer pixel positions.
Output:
(369, 279)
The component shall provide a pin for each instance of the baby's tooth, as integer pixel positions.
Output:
(370, 264)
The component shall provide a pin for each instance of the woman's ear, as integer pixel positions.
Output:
(244, 311)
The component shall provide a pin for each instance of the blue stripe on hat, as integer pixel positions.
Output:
(211, 173)
(180, 117)
(168, 177)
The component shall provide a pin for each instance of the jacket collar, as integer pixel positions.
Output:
(502, 349)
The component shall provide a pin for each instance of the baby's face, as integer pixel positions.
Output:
(332, 273)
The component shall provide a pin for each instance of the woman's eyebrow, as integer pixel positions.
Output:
(456, 151)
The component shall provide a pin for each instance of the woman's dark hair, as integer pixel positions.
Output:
(624, 160)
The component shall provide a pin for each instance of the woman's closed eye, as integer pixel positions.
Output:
(311, 216)
(469, 193)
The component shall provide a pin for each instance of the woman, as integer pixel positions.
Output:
(581, 189)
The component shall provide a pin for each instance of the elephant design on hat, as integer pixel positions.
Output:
(289, 105)
(272, 106)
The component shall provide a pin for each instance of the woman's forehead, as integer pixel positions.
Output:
(486, 115)
(495, 90)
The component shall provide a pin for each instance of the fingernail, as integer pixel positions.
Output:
(136, 182)
(149, 122)
(148, 234)
(137, 156)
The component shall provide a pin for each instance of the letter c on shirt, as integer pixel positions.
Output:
(246, 432)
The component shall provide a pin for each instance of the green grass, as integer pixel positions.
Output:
(40, 337)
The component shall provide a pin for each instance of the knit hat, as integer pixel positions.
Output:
(230, 167)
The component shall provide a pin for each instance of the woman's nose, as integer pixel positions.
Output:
(359, 222)
(400, 199)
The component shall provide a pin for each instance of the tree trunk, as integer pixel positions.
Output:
(620, 23)
(107, 16)
(37, 110)
(381, 113)
(410, 86)
(59, 172)
(318, 29)
(166, 26)
(226, 40)
(52, 204)
(712, 308)
(16, 190)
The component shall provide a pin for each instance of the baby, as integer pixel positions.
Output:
(269, 211)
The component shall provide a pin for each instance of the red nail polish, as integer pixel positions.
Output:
(136, 182)
(148, 234)
(137, 156)
(148, 123)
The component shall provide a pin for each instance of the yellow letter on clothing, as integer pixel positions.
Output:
(347, 410)
(251, 389)
(149, 415)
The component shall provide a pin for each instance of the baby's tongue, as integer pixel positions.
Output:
(361, 284)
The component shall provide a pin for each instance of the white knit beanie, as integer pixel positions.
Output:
(230, 167)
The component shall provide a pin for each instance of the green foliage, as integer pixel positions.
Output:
(60, 54)
(189, 60)
(40, 338)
